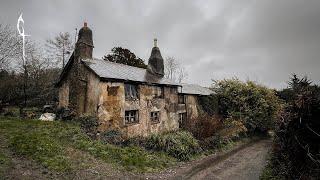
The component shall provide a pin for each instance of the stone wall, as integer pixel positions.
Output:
(78, 90)
(106, 100)
(112, 107)
(64, 94)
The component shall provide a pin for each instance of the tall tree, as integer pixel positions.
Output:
(124, 56)
(10, 46)
(174, 70)
(60, 46)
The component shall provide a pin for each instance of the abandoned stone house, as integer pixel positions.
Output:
(135, 101)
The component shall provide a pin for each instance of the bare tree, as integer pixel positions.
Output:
(10, 46)
(36, 78)
(60, 46)
(174, 70)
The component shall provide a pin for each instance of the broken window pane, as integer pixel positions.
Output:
(157, 91)
(131, 116)
(155, 116)
(131, 91)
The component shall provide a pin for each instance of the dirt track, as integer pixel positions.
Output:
(244, 162)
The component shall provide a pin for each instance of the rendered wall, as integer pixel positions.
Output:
(112, 107)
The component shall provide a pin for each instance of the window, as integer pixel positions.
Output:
(181, 99)
(182, 119)
(131, 117)
(157, 91)
(131, 91)
(155, 116)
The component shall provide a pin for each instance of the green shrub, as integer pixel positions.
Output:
(209, 104)
(215, 142)
(181, 144)
(254, 105)
(88, 124)
(112, 137)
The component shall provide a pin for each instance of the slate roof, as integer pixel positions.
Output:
(195, 89)
(115, 71)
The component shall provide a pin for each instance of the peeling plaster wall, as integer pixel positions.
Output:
(112, 106)
(93, 92)
(192, 106)
(106, 100)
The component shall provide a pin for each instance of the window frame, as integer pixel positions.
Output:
(155, 90)
(155, 119)
(183, 97)
(136, 116)
(128, 89)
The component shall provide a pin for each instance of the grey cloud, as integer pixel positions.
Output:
(264, 40)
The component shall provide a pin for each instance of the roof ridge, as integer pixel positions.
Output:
(117, 63)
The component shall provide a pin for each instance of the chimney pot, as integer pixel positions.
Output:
(155, 42)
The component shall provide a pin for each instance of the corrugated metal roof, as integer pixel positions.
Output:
(111, 70)
(195, 89)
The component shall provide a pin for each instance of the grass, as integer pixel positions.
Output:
(5, 163)
(47, 144)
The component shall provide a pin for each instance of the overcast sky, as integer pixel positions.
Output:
(260, 40)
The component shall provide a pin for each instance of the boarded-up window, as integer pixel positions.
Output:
(131, 117)
(181, 99)
(155, 116)
(157, 91)
(131, 91)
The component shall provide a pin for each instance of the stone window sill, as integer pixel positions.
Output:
(155, 122)
(130, 124)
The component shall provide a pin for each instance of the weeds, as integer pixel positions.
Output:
(181, 144)
(47, 142)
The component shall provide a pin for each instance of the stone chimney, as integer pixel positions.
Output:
(155, 63)
(84, 45)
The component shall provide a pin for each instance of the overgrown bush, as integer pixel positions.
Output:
(112, 137)
(214, 142)
(232, 129)
(181, 144)
(254, 105)
(65, 114)
(209, 104)
(296, 149)
(203, 126)
(88, 124)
